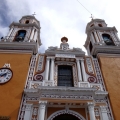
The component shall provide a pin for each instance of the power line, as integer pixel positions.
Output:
(84, 7)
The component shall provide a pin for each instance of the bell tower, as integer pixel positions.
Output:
(103, 44)
(100, 38)
(24, 35)
(17, 50)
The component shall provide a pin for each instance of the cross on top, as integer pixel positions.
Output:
(92, 17)
(34, 14)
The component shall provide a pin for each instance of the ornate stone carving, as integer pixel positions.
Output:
(35, 113)
(89, 66)
(28, 107)
(40, 64)
(97, 86)
(22, 109)
(34, 85)
(55, 74)
(32, 98)
(98, 73)
(58, 96)
(75, 76)
(75, 79)
(31, 70)
(80, 117)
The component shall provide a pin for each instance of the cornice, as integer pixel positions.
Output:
(24, 25)
(23, 46)
(105, 49)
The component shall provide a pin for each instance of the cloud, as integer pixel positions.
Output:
(60, 18)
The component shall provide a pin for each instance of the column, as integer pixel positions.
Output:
(79, 71)
(31, 37)
(27, 115)
(92, 38)
(42, 107)
(83, 70)
(47, 68)
(104, 115)
(9, 34)
(52, 69)
(91, 111)
(35, 36)
(96, 36)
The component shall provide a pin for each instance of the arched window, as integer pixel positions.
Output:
(92, 25)
(107, 39)
(20, 35)
(90, 46)
(100, 25)
(27, 21)
(65, 76)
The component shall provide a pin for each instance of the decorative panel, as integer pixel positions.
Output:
(40, 66)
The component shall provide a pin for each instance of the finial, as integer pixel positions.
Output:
(92, 17)
(7, 65)
(34, 14)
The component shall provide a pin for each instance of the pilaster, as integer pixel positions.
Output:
(28, 111)
(42, 108)
(83, 70)
(47, 68)
(52, 69)
(79, 70)
(104, 115)
(91, 110)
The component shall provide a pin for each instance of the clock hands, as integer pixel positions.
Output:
(4, 74)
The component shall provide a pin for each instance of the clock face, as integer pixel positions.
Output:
(5, 75)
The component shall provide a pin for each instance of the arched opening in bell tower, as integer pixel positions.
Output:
(65, 76)
(66, 117)
(20, 36)
(107, 39)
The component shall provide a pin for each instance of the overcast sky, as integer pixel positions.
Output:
(60, 18)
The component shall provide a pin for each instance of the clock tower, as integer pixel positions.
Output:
(16, 50)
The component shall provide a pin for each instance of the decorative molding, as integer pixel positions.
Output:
(48, 83)
(89, 66)
(74, 68)
(98, 73)
(65, 55)
(90, 106)
(40, 66)
(7, 65)
(31, 71)
(65, 96)
(55, 74)
(34, 113)
(84, 84)
(35, 85)
(71, 112)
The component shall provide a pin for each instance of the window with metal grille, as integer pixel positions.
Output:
(65, 76)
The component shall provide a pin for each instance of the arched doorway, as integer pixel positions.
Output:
(66, 117)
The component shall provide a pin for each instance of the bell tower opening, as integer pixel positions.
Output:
(107, 39)
(20, 36)
(65, 77)
(66, 117)
(90, 46)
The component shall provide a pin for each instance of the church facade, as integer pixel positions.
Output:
(63, 83)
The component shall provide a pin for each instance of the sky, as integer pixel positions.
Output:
(59, 18)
